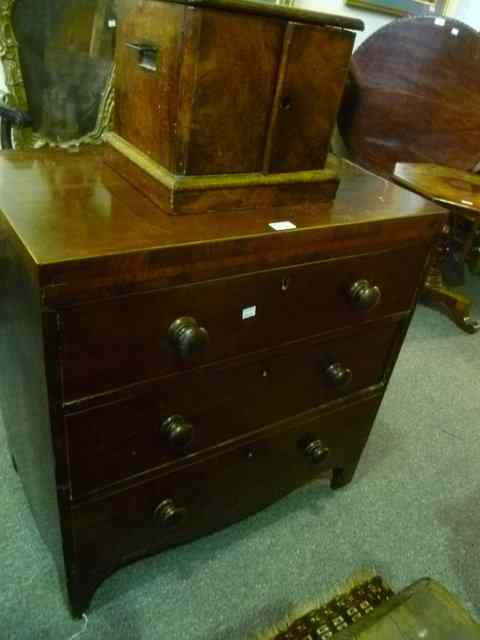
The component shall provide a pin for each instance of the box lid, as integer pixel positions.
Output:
(294, 12)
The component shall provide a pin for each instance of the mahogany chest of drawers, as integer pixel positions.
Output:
(165, 376)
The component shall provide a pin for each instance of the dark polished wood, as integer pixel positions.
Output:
(196, 112)
(267, 105)
(115, 241)
(142, 448)
(449, 187)
(212, 493)
(435, 78)
(214, 141)
(144, 100)
(237, 192)
(414, 96)
(311, 80)
(31, 395)
(100, 353)
(460, 192)
(299, 12)
(218, 404)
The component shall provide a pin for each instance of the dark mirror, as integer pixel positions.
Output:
(66, 52)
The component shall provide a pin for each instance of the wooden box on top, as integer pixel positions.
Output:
(225, 104)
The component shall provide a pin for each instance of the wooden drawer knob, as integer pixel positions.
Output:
(339, 376)
(364, 295)
(167, 515)
(317, 451)
(177, 432)
(187, 336)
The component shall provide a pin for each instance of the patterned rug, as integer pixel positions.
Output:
(324, 622)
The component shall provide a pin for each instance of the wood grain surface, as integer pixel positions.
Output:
(115, 530)
(311, 80)
(94, 276)
(222, 403)
(101, 354)
(300, 11)
(114, 240)
(265, 107)
(414, 96)
(449, 187)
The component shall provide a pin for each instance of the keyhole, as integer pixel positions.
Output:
(286, 103)
(285, 284)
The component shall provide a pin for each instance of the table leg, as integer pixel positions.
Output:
(473, 256)
(455, 304)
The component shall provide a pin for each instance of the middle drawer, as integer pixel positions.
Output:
(185, 414)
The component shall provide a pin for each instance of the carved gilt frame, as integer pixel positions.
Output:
(17, 97)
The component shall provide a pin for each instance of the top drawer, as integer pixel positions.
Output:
(109, 344)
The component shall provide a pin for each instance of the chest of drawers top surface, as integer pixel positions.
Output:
(87, 233)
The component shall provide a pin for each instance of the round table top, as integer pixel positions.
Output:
(452, 187)
(414, 96)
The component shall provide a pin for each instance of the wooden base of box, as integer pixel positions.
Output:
(217, 193)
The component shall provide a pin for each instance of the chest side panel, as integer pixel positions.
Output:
(30, 392)
(147, 59)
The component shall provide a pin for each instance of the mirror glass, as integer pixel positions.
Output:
(66, 52)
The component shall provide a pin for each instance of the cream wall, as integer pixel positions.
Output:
(467, 11)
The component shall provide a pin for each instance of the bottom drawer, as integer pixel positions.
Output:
(217, 491)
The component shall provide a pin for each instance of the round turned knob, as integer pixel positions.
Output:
(177, 432)
(338, 375)
(317, 451)
(364, 296)
(187, 336)
(168, 515)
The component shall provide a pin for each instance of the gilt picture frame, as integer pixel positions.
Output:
(401, 8)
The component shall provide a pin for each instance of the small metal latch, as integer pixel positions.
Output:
(147, 55)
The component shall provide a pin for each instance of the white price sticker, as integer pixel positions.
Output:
(282, 226)
(440, 22)
(249, 312)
